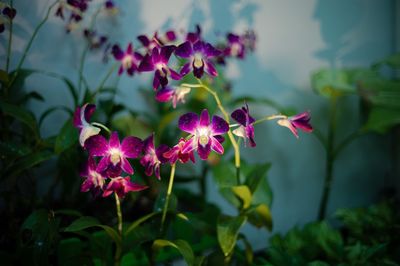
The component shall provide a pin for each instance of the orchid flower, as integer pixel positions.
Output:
(121, 186)
(199, 55)
(153, 158)
(94, 180)
(246, 129)
(301, 121)
(175, 95)
(204, 134)
(114, 153)
(81, 117)
(175, 153)
(129, 59)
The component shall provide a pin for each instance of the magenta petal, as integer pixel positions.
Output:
(156, 79)
(166, 52)
(239, 116)
(96, 145)
(186, 69)
(157, 171)
(114, 140)
(219, 125)
(174, 75)
(117, 52)
(129, 186)
(77, 118)
(144, 40)
(132, 147)
(304, 126)
(210, 69)
(188, 122)
(204, 151)
(86, 185)
(204, 118)
(160, 153)
(129, 50)
(165, 94)
(146, 64)
(184, 50)
(126, 166)
(216, 146)
(120, 70)
(189, 146)
(103, 164)
(89, 110)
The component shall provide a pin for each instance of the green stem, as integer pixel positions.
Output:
(102, 126)
(119, 215)
(329, 160)
(9, 40)
(346, 142)
(21, 61)
(226, 116)
(169, 191)
(271, 117)
(104, 80)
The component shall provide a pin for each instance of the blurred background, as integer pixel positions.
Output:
(294, 39)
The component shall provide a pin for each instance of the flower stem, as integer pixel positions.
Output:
(21, 61)
(104, 80)
(271, 117)
(102, 126)
(117, 258)
(329, 160)
(226, 116)
(9, 40)
(169, 191)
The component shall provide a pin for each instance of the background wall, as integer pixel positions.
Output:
(295, 38)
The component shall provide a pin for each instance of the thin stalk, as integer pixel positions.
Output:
(9, 40)
(329, 159)
(104, 80)
(169, 191)
(118, 251)
(346, 142)
(102, 126)
(271, 117)
(226, 116)
(21, 61)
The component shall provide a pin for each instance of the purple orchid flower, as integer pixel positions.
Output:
(114, 153)
(80, 121)
(236, 47)
(158, 61)
(205, 134)
(157, 41)
(175, 95)
(95, 40)
(9, 12)
(199, 55)
(175, 153)
(246, 129)
(94, 180)
(121, 186)
(301, 121)
(194, 37)
(153, 158)
(129, 59)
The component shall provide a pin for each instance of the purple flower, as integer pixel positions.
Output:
(153, 158)
(81, 117)
(9, 12)
(199, 55)
(95, 41)
(129, 59)
(114, 153)
(158, 61)
(176, 95)
(301, 121)
(246, 129)
(176, 153)
(194, 37)
(121, 186)
(205, 134)
(149, 43)
(235, 47)
(94, 180)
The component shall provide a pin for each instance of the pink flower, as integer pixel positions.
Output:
(246, 129)
(129, 59)
(175, 95)
(121, 186)
(153, 158)
(81, 117)
(176, 153)
(301, 121)
(94, 180)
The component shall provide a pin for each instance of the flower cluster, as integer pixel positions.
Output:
(7, 13)
(193, 55)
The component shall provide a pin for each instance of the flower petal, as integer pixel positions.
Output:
(174, 74)
(166, 52)
(204, 151)
(186, 69)
(204, 118)
(219, 126)
(164, 94)
(189, 146)
(97, 145)
(288, 124)
(216, 146)
(87, 132)
(239, 115)
(103, 164)
(188, 122)
(160, 153)
(126, 166)
(114, 140)
(210, 69)
(132, 147)
(146, 64)
(184, 50)
(117, 52)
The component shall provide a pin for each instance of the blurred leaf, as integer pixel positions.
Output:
(244, 194)
(227, 231)
(31, 95)
(28, 161)
(131, 125)
(4, 78)
(21, 115)
(53, 109)
(167, 120)
(381, 119)
(260, 216)
(224, 175)
(14, 149)
(67, 137)
(248, 249)
(257, 174)
(139, 221)
(392, 61)
(380, 92)
(182, 246)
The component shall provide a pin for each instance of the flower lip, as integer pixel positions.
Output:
(301, 121)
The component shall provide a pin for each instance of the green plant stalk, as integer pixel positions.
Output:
(119, 215)
(104, 80)
(9, 40)
(21, 61)
(235, 146)
(169, 191)
(329, 159)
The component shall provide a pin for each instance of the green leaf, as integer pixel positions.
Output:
(14, 149)
(227, 232)
(248, 249)
(21, 115)
(67, 137)
(131, 125)
(244, 194)
(392, 61)
(260, 216)
(86, 222)
(224, 175)
(257, 175)
(140, 221)
(381, 119)
(29, 161)
(4, 78)
(181, 245)
(53, 109)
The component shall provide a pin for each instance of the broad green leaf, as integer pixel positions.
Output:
(255, 177)
(260, 216)
(392, 61)
(139, 221)
(381, 119)
(28, 162)
(182, 246)
(380, 92)
(227, 232)
(14, 149)
(21, 114)
(244, 194)
(224, 175)
(67, 137)
(248, 249)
